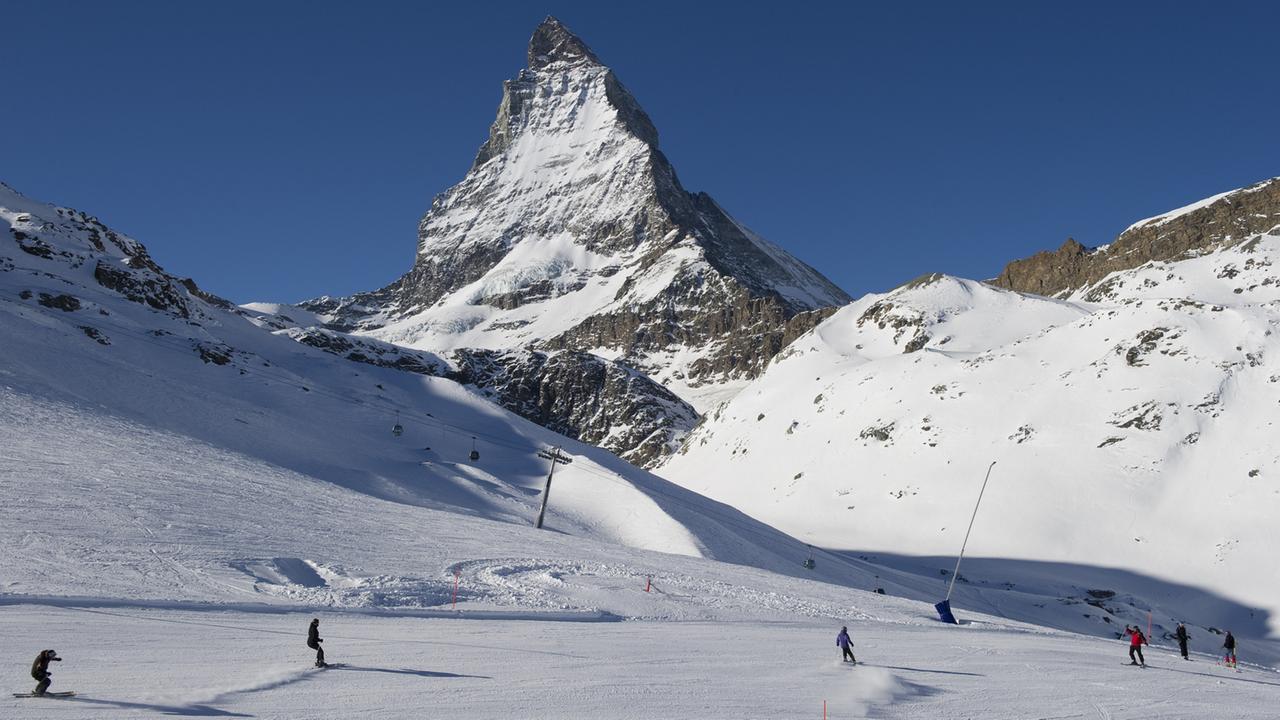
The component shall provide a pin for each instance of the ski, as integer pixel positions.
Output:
(48, 695)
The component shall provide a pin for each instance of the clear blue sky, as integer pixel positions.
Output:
(282, 150)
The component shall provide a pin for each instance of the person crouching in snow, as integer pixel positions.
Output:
(844, 643)
(313, 642)
(1136, 641)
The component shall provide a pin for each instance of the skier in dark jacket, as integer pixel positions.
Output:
(313, 642)
(1136, 641)
(844, 643)
(40, 670)
(1182, 637)
(1229, 644)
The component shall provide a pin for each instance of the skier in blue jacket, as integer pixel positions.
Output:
(843, 642)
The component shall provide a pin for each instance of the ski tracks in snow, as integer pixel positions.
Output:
(543, 584)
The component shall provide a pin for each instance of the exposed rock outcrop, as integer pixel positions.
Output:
(577, 394)
(585, 397)
(1208, 225)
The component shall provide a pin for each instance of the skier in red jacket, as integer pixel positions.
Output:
(1136, 641)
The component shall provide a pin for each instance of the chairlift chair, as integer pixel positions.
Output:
(809, 563)
(475, 454)
(397, 429)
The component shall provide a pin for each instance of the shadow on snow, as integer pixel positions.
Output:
(1085, 599)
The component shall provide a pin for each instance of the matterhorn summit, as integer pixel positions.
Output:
(572, 233)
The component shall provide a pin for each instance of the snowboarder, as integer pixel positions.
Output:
(1136, 641)
(843, 642)
(40, 671)
(313, 642)
(1182, 637)
(1229, 644)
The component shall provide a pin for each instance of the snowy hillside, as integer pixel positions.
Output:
(185, 485)
(1132, 426)
(572, 232)
(93, 327)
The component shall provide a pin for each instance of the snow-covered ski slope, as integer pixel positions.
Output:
(183, 489)
(177, 578)
(128, 663)
(1134, 432)
(250, 413)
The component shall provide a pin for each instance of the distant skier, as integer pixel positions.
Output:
(1182, 637)
(40, 670)
(844, 643)
(1136, 641)
(1229, 644)
(313, 642)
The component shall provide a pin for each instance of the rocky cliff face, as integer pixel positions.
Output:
(1211, 224)
(583, 396)
(571, 232)
(576, 394)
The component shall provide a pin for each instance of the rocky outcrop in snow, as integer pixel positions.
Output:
(1200, 228)
(79, 248)
(576, 394)
(585, 397)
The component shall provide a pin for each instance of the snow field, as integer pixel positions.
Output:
(152, 663)
(1131, 436)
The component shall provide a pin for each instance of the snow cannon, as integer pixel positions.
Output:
(944, 612)
(944, 607)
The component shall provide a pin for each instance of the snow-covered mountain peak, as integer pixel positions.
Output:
(572, 232)
(565, 91)
(553, 43)
(936, 312)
